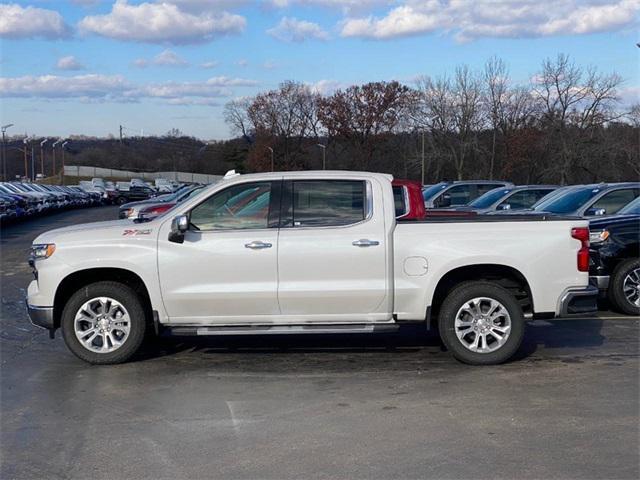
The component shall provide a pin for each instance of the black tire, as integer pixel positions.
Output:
(461, 295)
(131, 302)
(121, 200)
(616, 287)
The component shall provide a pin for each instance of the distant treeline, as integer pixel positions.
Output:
(566, 126)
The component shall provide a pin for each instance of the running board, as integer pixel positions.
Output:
(278, 329)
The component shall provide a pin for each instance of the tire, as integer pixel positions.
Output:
(127, 326)
(121, 200)
(626, 274)
(490, 349)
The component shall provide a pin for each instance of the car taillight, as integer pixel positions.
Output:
(582, 234)
(159, 209)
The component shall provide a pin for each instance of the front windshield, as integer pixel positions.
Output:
(427, 193)
(569, 202)
(632, 208)
(489, 198)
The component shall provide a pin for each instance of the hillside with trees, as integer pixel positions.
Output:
(567, 125)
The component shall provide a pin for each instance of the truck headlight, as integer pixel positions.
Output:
(42, 251)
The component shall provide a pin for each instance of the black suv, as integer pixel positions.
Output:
(135, 193)
(614, 260)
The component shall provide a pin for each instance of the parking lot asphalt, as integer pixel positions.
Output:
(377, 406)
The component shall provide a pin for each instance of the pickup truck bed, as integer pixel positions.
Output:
(305, 252)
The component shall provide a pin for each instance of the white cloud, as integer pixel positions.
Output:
(294, 30)
(166, 58)
(53, 86)
(116, 88)
(31, 22)
(69, 63)
(242, 62)
(161, 23)
(345, 6)
(209, 65)
(490, 18)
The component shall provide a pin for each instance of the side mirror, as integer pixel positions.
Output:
(503, 206)
(595, 212)
(179, 225)
(444, 200)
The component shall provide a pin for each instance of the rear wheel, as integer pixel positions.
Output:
(481, 323)
(121, 200)
(624, 288)
(104, 323)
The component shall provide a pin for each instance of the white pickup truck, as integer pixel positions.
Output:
(307, 252)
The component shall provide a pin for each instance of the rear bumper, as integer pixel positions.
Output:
(579, 301)
(601, 282)
(41, 316)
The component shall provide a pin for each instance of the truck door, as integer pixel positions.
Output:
(226, 269)
(332, 259)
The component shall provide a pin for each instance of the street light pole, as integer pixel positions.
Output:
(42, 156)
(4, 151)
(272, 163)
(26, 161)
(53, 156)
(62, 174)
(324, 158)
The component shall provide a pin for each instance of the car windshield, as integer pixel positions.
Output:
(632, 208)
(427, 193)
(489, 198)
(569, 202)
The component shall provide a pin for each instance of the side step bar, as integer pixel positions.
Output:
(277, 329)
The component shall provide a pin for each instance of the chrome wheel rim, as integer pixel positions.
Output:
(102, 325)
(631, 287)
(483, 325)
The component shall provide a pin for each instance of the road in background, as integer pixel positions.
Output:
(358, 406)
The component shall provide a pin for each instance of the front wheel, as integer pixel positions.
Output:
(104, 323)
(481, 323)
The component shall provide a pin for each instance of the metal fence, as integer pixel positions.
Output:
(83, 171)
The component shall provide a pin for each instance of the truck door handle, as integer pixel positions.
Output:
(363, 242)
(257, 245)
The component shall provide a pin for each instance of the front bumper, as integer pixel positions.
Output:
(41, 316)
(579, 301)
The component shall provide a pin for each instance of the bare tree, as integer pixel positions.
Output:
(236, 115)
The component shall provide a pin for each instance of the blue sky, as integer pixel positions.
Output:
(87, 66)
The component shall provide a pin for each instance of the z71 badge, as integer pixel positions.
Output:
(134, 232)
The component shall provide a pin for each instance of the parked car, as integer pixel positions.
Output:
(615, 260)
(132, 209)
(453, 194)
(307, 252)
(509, 198)
(591, 200)
(150, 211)
(135, 192)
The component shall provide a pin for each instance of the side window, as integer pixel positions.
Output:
(244, 206)
(520, 200)
(614, 201)
(399, 200)
(460, 195)
(327, 203)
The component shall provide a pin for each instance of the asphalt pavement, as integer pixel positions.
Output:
(339, 407)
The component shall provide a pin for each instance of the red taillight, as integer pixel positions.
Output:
(158, 209)
(582, 234)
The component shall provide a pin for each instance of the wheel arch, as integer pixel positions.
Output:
(504, 275)
(76, 280)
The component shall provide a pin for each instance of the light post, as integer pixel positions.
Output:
(272, 164)
(324, 151)
(62, 174)
(42, 156)
(26, 160)
(53, 156)
(4, 151)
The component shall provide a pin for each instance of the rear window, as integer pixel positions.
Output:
(400, 201)
(327, 203)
